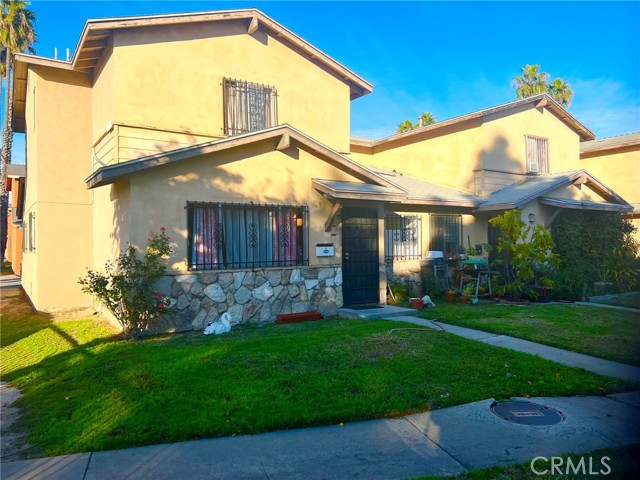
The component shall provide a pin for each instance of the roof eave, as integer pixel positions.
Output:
(112, 173)
(578, 205)
(358, 85)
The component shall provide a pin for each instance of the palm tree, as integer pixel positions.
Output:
(560, 91)
(531, 82)
(423, 120)
(405, 126)
(16, 35)
(426, 119)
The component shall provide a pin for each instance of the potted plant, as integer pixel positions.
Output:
(416, 303)
(468, 290)
(450, 295)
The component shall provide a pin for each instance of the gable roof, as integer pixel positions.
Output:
(403, 189)
(94, 41)
(538, 101)
(283, 133)
(422, 192)
(610, 143)
(518, 194)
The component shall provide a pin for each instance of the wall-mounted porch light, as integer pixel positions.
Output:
(532, 218)
(299, 222)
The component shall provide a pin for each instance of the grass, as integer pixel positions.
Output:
(610, 334)
(86, 390)
(624, 463)
(630, 300)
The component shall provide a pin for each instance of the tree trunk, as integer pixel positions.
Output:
(5, 157)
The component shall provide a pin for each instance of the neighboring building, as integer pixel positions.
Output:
(233, 133)
(616, 160)
(15, 183)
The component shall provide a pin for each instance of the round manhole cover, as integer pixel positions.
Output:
(526, 413)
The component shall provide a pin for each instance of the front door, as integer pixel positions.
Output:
(360, 257)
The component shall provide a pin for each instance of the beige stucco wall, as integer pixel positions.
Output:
(254, 173)
(447, 159)
(477, 156)
(57, 163)
(103, 95)
(504, 140)
(192, 60)
(619, 169)
(111, 222)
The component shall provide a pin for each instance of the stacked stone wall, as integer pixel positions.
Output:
(248, 296)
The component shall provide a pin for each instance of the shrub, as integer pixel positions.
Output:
(126, 288)
(524, 254)
(402, 291)
(595, 248)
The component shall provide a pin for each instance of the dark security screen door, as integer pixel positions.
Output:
(360, 256)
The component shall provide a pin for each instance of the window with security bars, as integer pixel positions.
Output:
(537, 150)
(402, 237)
(232, 235)
(248, 107)
(445, 233)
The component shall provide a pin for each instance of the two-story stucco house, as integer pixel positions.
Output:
(232, 133)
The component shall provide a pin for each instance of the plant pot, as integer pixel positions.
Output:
(450, 297)
(416, 303)
(465, 298)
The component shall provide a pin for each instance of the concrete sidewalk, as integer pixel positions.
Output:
(572, 359)
(442, 442)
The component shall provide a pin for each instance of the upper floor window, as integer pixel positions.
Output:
(232, 235)
(537, 149)
(248, 107)
(445, 233)
(402, 237)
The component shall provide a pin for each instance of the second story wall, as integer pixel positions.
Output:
(446, 157)
(478, 155)
(619, 168)
(57, 217)
(504, 144)
(170, 78)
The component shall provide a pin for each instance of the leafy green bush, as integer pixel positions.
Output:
(127, 287)
(597, 253)
(524, 256)
(402, 292)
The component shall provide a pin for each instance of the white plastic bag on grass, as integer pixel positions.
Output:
(221, 326)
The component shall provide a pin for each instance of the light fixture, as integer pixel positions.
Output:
(298, 222)
(532, 218)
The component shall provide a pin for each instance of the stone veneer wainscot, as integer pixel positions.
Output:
(248, 296)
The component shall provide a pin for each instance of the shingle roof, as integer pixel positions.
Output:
(609, 143)
(539, 101)
(111, 173)
(516, 195)
(421, 191)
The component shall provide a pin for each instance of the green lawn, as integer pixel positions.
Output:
(623, 462)
(85, 389)
(600, 332)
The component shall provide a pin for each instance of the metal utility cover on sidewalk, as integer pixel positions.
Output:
(526, 413)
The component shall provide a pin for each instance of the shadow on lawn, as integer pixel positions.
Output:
(19, 318)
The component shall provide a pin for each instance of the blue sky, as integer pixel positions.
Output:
(447, 58)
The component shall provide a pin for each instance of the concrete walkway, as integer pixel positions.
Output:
(572, 359)
(442, 442)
